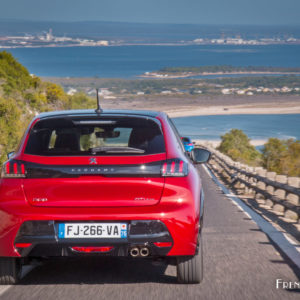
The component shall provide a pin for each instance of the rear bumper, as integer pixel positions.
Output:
(40, 239)
(180, 222)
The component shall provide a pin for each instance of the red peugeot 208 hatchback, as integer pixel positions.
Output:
(93, 183)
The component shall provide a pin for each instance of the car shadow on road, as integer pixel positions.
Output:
(98, 271)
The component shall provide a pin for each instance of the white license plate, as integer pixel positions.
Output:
(92, 230)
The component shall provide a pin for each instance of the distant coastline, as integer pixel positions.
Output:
(113, 44)
(185, 72)
(169, 76)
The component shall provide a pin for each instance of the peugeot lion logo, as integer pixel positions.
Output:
(93, 161)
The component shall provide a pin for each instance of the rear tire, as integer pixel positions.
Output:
(190, 268)
(10, 268)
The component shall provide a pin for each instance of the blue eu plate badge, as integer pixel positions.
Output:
(123, 231)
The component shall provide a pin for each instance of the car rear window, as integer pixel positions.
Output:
(95, 136)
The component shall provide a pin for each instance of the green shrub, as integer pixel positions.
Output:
(237, 145)
(11, 127)
(282, 156)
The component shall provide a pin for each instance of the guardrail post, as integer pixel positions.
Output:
(281, 194)
(243, 177)
(237, 184)
(292, 198)
(260, 198)
(251, 179)
(269, 188)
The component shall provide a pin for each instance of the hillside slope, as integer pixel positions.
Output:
(22, 96)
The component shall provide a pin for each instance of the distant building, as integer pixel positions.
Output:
(226, 91)
(198, 40)
(166, 92)
(49, 36)
(71, 91)
(102, 43)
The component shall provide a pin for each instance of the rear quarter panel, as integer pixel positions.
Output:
(184, 191)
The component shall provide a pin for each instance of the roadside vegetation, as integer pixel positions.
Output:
(237, 145)
(280, 156)
(22, 96)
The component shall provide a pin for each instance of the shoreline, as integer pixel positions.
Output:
(191, 74)
(170, 44)
(233, 110)
(216, 143)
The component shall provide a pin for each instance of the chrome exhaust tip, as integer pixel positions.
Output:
(134, 252)
(144, 252)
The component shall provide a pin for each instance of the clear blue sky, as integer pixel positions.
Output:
(266, 12)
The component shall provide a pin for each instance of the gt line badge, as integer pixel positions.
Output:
(39, 199)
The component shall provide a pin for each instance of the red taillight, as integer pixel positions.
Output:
(7, 168)
(13, 169)
(163, 244)
(22, 169)
(174, 168)
(181, 164)
(93, 249)
(22, 245)
(164, 168)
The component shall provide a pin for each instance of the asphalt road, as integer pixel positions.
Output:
(240, 263)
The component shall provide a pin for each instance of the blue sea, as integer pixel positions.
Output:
(131, 61)
(257, 127)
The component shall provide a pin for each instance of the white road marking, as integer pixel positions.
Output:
(247, 215)
(233, 202)
(207, 172)
(288, 246)
(230, 195)
(4, 288)
(293, 242)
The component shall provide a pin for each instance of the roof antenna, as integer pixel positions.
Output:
(99, 110)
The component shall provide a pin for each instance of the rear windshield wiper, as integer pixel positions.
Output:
(108, 149)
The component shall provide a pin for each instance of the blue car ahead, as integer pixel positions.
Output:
(188, 144)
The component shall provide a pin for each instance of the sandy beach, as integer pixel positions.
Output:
(216, 143)
(210, 105)
(234, 110)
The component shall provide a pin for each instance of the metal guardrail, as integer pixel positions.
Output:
(280, 192)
